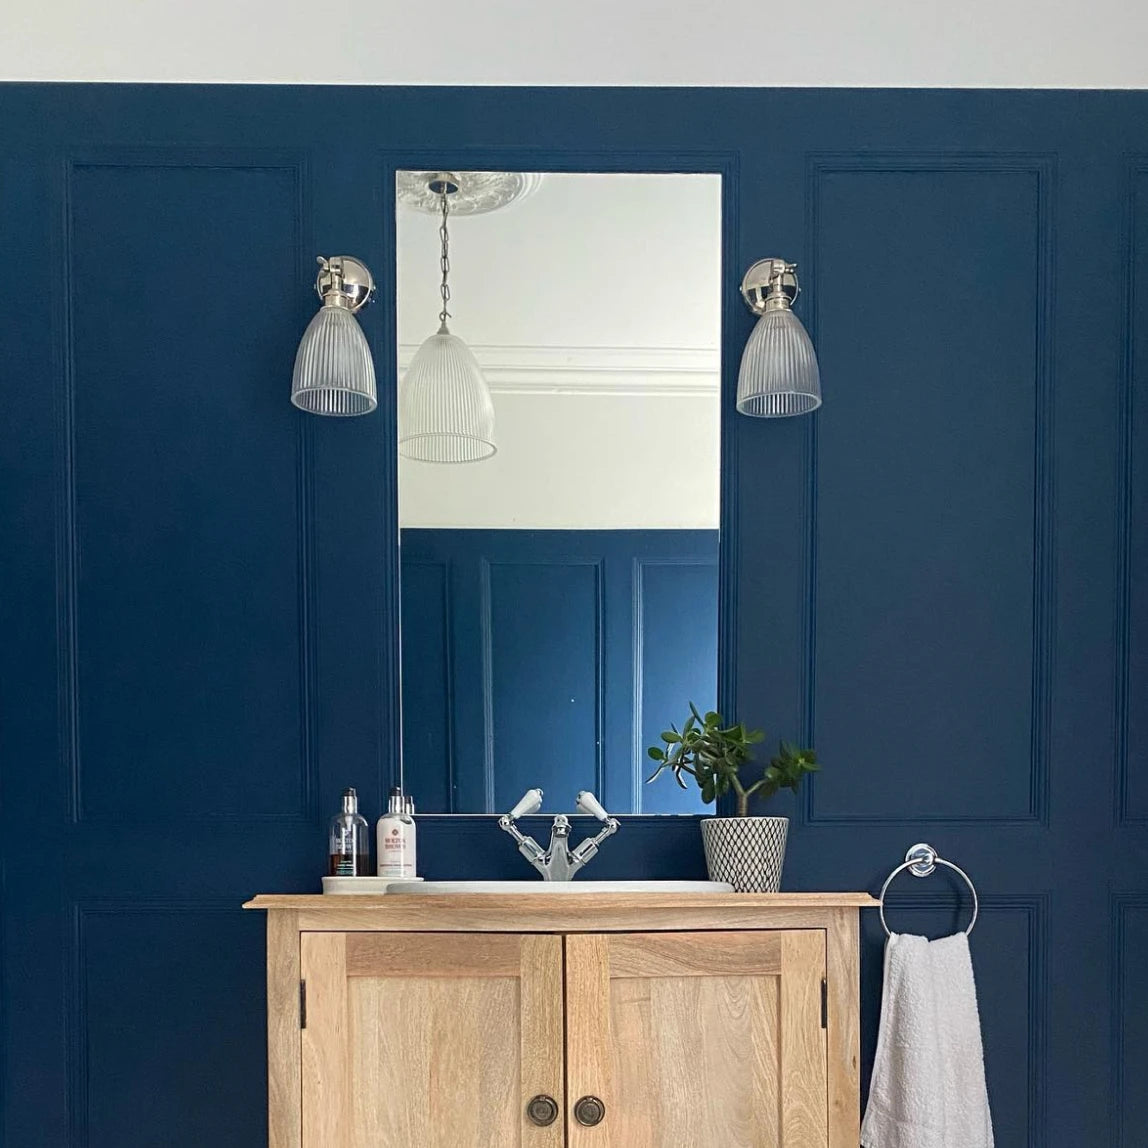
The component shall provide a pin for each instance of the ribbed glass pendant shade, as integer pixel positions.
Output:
(445, 410)
(334, 372)
(779, 374)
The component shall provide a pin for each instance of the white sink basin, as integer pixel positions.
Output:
(432, 888)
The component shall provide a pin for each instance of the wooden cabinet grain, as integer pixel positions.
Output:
(648, 1021)
(413, 1038)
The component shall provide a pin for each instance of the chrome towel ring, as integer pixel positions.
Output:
(922, 861)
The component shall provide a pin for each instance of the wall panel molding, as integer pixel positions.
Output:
(1034, 909)
(67, 558)
(1136, 170)
(1042, 167)
(76, 1028)
(1121, 906)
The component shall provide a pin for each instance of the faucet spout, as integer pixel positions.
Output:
(559, 860)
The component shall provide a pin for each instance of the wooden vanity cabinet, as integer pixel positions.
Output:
(597, 1021)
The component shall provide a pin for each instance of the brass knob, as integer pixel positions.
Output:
(589, 1111)
(542, 1110)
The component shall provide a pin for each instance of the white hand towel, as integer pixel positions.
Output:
(928, 1088)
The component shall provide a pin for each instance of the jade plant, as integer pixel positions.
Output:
(715, 754)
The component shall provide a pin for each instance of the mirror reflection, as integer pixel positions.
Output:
(559, 422)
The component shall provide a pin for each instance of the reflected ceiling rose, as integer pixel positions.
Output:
(477, 191)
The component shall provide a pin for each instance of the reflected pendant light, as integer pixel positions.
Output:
(779, 374)
(334, 372)
(445, 410)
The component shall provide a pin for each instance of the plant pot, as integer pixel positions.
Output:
(748, 852)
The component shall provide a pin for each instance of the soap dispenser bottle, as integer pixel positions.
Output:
(349, 840)
(396, 846)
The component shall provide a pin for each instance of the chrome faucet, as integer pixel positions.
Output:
(558, 862)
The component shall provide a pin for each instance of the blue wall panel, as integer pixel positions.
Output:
(931, 540)
(1010, 973)
(134, 1064)
(939, 576)
(182, 513)
(1133, 543)
(1130, 1024)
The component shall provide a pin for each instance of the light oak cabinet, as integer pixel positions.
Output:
(602, 1021)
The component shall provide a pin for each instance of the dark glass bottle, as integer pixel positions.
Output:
(349, 842)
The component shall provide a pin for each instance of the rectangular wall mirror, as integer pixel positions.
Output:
(559, 489)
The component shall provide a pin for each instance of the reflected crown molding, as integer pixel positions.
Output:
(530, 370)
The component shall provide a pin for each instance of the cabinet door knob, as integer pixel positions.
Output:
(589, 1111)
(542, 1110)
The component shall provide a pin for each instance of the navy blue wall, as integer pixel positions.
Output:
(939, 578)
(552, 658)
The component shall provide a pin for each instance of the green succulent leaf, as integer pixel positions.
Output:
(716, 756)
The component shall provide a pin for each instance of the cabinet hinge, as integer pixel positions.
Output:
(302, 1004)
(824, 1003)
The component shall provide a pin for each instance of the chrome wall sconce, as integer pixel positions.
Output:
(779, 374)
(334, 372)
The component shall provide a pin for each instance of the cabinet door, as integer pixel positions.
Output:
(692, 1040)
(417, 1040)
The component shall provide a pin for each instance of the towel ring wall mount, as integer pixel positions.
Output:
(922, 861)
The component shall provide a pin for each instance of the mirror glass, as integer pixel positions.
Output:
(560, 575)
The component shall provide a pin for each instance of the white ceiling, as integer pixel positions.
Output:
(815, 43)
(587, 261)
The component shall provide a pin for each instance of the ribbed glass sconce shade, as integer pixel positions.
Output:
(334, 372)
(779, 374)
(445, 410)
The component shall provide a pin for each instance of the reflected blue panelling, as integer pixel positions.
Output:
(552, 658)
(675, 602)
(428, 690)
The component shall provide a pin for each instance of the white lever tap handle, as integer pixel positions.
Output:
(529, 802)
(588, 803)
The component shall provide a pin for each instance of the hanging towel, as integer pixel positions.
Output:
(928, 1088)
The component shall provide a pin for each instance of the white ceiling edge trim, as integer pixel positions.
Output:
(653, 371)
(1009, 83)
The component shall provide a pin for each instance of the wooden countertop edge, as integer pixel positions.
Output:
(526, 902)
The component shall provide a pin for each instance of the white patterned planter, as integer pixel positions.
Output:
(748, 852)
